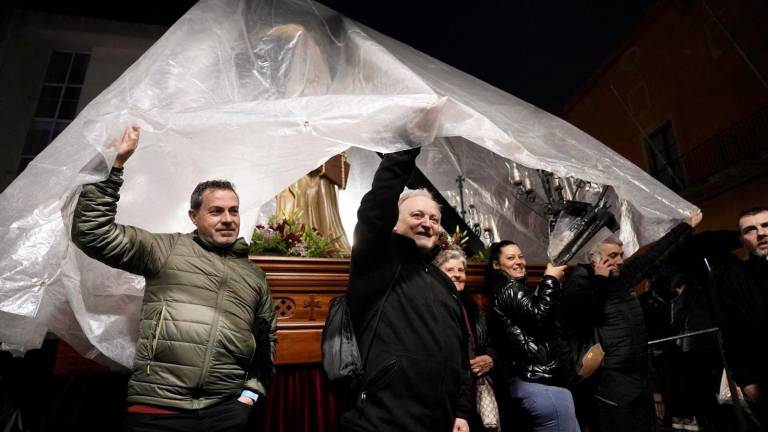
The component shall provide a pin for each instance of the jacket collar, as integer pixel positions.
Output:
(407, 247)
(583, 270)
(757, 264)
(500, 276)
(239, 248)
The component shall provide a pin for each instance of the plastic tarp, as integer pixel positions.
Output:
(260, 93)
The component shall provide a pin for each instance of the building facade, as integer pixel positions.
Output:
(51, 66)
(686, 98)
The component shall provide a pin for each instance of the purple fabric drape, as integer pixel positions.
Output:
(300, 400)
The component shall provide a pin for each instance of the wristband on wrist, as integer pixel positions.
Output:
(249, 394)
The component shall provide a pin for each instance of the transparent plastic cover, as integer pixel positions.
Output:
(260, 93)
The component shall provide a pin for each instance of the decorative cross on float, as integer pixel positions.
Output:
(312, 303)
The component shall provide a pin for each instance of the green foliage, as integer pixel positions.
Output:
(480, 256)
(285, 235)
(319, 246)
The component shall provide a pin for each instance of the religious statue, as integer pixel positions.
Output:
(315, 195)
(298, 69)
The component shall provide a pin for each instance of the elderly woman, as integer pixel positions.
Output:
(527, 334)
(453, 263)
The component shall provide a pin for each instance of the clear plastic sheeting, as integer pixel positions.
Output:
(260, 93)
(578, 226)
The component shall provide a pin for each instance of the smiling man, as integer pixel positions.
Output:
(743, 288)
(207, 332)
(414, 346)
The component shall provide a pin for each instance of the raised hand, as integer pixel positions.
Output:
(127, 145)
(421, 129)
(695, 218)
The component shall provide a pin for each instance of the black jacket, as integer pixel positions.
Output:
(527, 331)
(417, 374)
(480, 345)
(479, 325)
(692, 311)
(743, 291)
(609, 304)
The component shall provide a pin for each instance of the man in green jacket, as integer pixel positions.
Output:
(207, 332)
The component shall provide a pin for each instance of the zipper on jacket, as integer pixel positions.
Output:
(389, 366)
(604, 400)
(253, 354)
(156, 337)
(214, 329)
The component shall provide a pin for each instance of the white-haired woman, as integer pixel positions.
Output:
(453, 262)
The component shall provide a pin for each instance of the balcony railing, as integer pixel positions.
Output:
(744, 140)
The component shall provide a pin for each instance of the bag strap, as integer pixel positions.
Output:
(597, 335)
(472, 341)
(378, 314)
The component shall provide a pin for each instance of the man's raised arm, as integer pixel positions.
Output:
(95, 232)
(640, 265)
(378, 210)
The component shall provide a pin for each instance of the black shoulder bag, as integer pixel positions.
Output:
(340, 351)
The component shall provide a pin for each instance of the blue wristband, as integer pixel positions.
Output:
(249, 394)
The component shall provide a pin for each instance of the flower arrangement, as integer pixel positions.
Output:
(457, 240)
(285, 235)
(460, 240)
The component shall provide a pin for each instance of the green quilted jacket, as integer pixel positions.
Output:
(202, 309)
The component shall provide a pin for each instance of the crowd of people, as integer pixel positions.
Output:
(207, 333)
(533, 339)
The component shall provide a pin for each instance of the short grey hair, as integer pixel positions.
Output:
(594, 251)
(450, 254)
(411, 193)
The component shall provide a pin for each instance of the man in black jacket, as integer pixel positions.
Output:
(417, 370)
(600, 296)
(743, 289)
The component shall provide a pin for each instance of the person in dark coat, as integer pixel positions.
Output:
(527, 335)
(743, 291)
(700, 366)
(482, 356)
(601, 296)
(688, 371)
(417, 370)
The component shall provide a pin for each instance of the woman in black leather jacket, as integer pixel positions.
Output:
(529, 341)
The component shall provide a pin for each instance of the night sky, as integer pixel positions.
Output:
(539, 50)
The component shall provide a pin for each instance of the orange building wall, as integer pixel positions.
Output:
(674, 60)
(679, 66)
(721, 210)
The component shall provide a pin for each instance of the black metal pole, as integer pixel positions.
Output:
(683, 336)
(463, 211)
